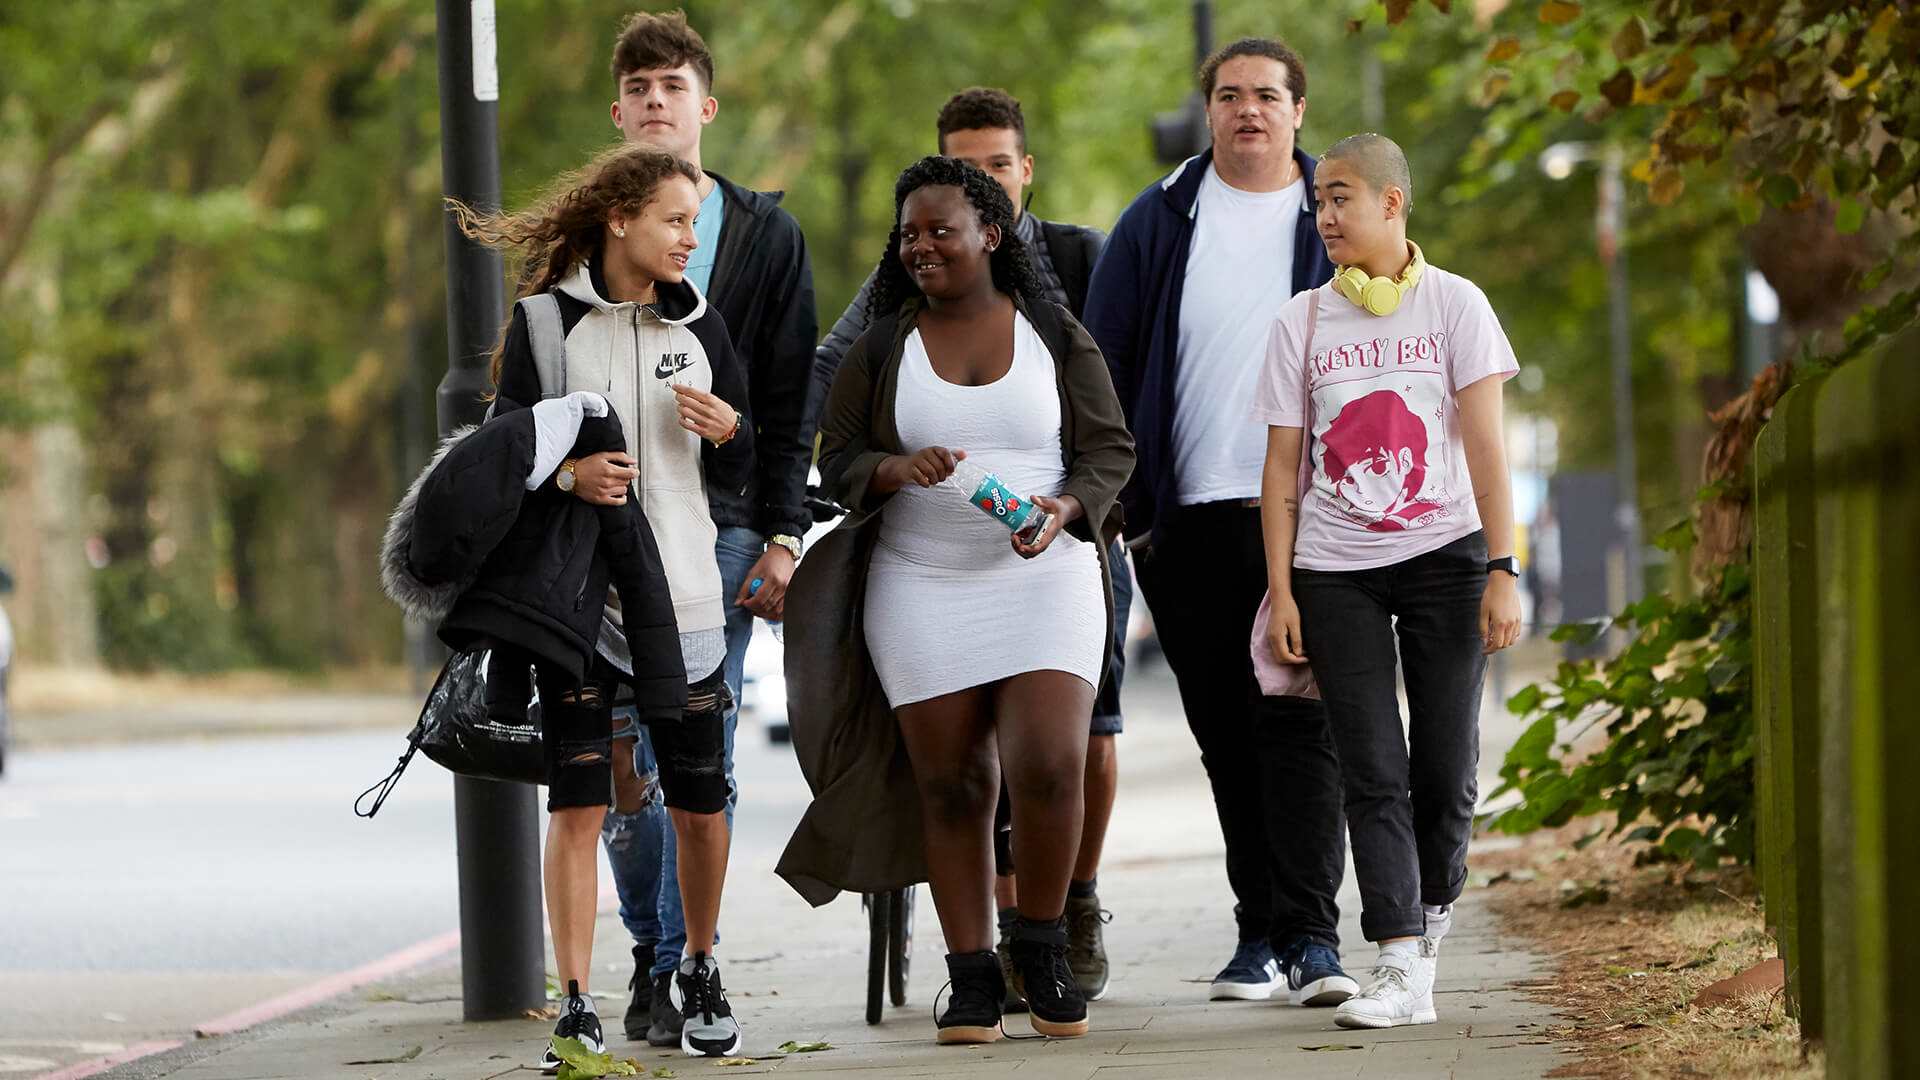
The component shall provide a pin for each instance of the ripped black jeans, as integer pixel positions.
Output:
(576, 729)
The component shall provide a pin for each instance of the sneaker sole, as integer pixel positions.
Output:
(1232, 991)
(1056, 1029)
(717, 1050)
(966, 1035)
(1352, 1020)
(1321, 993)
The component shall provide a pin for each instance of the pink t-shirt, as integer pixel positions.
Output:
(1389, 469)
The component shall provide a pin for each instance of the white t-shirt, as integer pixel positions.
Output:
(1239, 273)
(1389, 468)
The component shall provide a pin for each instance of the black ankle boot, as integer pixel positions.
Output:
(640, 1008)
(1040, 955)
(973, 1009)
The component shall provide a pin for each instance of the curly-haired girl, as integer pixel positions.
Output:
(987, 649)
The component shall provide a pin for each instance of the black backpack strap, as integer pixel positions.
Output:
(1068, 247)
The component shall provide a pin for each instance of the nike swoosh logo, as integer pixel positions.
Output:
(668, 365)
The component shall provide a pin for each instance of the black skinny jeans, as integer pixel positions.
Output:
(1269, 760)
(1410, 797)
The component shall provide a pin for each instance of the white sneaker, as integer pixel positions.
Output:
(1401, 992)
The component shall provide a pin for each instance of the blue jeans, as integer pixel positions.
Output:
(640, 845)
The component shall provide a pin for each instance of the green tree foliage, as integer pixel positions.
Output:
(1800, 121)
(221, 241)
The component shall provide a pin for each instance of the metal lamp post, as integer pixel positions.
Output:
(1558, 162)
(502, 949)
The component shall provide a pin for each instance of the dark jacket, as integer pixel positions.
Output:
(762, 285)
(471, 550)
(633, 354)
(862, 831)
(1063, 258)
(1133, 311)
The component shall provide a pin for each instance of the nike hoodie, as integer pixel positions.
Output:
(633, 354)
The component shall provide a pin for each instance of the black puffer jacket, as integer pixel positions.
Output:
(472, 550)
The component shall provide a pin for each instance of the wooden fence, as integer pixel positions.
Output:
(1837, 700)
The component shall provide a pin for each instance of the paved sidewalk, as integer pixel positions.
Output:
(799, 974)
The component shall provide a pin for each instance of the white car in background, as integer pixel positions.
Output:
(6, 668)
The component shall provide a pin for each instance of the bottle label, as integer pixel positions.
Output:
(1009, 509)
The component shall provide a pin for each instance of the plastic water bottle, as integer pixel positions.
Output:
(986, 491)
(778, 628)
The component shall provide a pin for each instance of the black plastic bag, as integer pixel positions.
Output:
(471, 732)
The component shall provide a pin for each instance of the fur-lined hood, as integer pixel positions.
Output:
(427, 601)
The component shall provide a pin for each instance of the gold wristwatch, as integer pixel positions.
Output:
(791, 543)
(564, 479)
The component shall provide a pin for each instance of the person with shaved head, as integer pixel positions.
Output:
(1388, 517)
(1180, 303)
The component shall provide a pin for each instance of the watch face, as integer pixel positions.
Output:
(565, 480)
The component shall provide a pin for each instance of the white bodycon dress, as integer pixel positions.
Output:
(950, 604)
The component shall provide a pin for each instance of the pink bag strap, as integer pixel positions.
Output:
(1305, 477)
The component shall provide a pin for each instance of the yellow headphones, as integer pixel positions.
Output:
(1379, 295)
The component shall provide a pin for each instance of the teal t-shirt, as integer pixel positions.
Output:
(706, 229)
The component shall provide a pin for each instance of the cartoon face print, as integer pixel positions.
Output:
(1374, 456)
(1375, 484)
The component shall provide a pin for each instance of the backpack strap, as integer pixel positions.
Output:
(1067, 246)
(549, 340)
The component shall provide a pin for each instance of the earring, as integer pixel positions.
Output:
(621, 233)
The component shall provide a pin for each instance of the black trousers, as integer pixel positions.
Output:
(1410, 796)
(1270, 760)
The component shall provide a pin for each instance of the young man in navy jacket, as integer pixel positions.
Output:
(1181, 303)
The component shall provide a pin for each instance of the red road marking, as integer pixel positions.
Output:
(119, 1057)
(332, 986)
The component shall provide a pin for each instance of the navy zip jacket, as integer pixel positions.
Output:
(1133, 312)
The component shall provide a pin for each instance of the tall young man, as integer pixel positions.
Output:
(986, 128)
(1380, 561)
(1181, 303)
(752, 265)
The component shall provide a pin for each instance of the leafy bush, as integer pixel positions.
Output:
(1676, 707)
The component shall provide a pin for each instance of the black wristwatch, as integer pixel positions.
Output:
(1510, 563)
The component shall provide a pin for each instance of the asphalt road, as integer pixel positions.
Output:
(149, 887)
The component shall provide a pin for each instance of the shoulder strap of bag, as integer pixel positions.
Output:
(1068, 249)
(1305, 477)
(549, 340)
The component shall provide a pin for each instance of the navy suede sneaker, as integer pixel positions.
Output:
(1252, 975)
(1314, 975)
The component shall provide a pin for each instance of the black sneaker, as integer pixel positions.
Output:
(708, 1028)
(576, 1022)
(1014, 1000)
(1314, 975)
(1040, 955)
(664, 1028)
(973, 1013)
(640, 1010)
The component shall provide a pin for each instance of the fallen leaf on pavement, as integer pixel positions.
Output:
(804, 1047)
(736, 1061)
(579, 1063)
(664, 1073)
(1334, 1046)
(408, 1055)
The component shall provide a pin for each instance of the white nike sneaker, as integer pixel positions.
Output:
(1401, 992)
